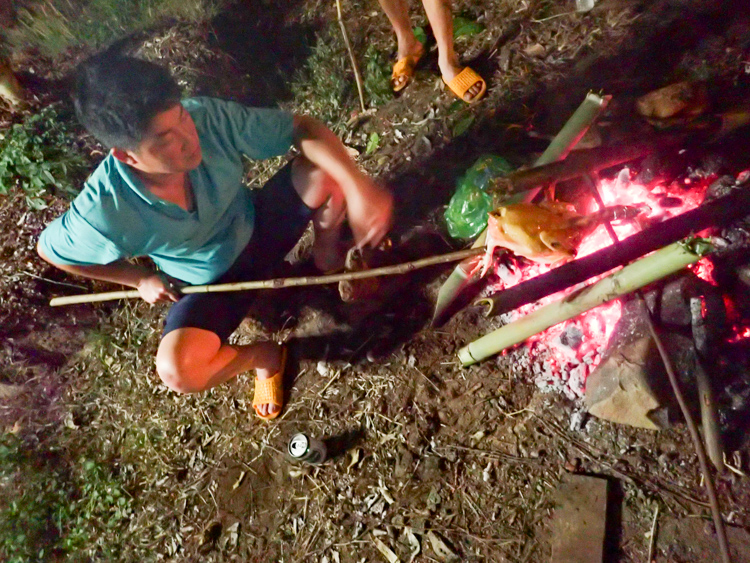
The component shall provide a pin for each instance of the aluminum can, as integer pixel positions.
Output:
(303, 448)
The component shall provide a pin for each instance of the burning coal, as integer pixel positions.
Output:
(567, 353)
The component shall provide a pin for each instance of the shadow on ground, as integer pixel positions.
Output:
(265, 46)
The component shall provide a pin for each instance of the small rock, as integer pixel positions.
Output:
(535, 50)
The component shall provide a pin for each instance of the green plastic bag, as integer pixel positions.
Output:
(467, 211)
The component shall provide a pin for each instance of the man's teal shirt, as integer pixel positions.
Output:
(116, 217)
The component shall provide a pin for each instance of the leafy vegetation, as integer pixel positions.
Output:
(324, 87)
(53, 26)
(465, 27)
(38, 155)
(47, 508)
(377, 77)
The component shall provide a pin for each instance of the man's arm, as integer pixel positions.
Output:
(149, 284)
(368, 206)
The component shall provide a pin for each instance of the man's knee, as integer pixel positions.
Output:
(177, 374)
(182, 359)
(314, 186)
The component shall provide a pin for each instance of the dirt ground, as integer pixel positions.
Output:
(422, 447)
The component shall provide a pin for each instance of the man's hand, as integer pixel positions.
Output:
(154, 288)
(369, 208)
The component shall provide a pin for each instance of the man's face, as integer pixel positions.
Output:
(170, 146)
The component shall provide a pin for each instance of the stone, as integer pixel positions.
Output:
(580, 519)
(618, 390)
(630, 385)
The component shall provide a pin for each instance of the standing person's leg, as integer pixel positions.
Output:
(409, 49)
(441, 22)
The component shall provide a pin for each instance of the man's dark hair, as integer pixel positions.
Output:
(116, 97)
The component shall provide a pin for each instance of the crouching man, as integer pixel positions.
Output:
(171, 189)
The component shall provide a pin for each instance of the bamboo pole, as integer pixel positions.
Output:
(352, 58)
(277, 283)
(655, 266)
(558, 149)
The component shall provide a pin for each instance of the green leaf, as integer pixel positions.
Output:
(463, 125)
(464, 27)
(420, 34)
(372, 143)
(455, 106)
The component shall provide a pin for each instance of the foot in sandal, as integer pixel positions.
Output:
(403, 70)
(269, 383)
(466, 84)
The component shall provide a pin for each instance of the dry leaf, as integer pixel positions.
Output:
(412, 542)
(355, 455)
(535, 50)
(441, 549)
(10, 391)
(386, 551)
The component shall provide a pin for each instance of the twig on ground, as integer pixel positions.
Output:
(652, 536)
(355, 67)
(721, 534)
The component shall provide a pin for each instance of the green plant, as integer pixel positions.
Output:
(48, 506)
(53, 26)
(38, 154)
(33, 501)
(377, 77)
(323, 87)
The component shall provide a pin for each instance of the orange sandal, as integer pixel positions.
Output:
(465, 80)
(405, 67)
(271, 391)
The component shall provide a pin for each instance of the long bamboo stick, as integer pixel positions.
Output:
(277, 283)
(352, 58)
(655, 266)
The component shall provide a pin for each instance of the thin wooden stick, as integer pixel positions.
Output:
(652, 537)
(357, 77)
(404, 268)
(708, 482)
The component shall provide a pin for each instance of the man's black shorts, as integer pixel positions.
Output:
(281, 218)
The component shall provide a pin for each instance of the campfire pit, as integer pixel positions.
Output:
(566, 354)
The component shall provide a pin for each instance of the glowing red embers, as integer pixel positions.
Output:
(571, 350)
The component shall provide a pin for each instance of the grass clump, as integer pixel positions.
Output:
(38, 156)
(324, 87)
(53, 26)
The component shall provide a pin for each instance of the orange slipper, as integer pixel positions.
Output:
(405, 67)
(465, 80)
(271, 390)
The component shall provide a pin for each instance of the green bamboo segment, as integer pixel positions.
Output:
(642, 272)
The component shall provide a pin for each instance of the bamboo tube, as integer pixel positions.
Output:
(655, 266)
(559, 147)
(280, 282)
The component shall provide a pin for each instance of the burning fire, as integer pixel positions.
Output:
(572, 349)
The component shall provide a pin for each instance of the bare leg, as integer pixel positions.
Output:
(190, 360)
(321, 192)
(441, 21)
(398, 14)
